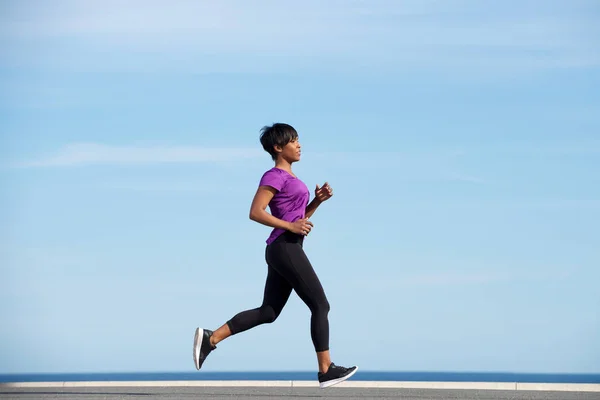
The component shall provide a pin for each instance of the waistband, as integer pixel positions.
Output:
(288, 237)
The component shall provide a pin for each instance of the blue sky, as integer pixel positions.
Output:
(461, 139)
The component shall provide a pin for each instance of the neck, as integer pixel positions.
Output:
(283, 164)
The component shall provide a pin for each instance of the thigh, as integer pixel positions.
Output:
(277, 290)
(292, 263)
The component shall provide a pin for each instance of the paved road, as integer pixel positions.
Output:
(254, 393)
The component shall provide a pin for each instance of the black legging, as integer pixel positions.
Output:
(288, 268)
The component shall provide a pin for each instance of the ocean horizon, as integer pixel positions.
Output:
(305, 376)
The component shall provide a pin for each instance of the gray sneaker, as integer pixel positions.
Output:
(202, 346)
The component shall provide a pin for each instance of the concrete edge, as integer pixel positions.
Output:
(571, 387)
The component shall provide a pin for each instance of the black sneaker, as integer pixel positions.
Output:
(202, 346)
(335, 374)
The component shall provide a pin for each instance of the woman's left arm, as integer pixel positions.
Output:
(322, 194)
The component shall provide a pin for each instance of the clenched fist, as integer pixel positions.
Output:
(301, 226)
(323, 193)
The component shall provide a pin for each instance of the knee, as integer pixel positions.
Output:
(268, 314)
(322, 307)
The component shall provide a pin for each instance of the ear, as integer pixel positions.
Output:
(277, 148)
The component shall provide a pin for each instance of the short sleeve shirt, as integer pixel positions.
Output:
(290, 200)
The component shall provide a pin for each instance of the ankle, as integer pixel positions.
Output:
(323, 368)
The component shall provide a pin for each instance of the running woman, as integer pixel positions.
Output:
(288, 267)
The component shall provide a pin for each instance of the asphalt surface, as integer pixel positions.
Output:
(254, 393)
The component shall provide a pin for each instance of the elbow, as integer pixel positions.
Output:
(253, 214)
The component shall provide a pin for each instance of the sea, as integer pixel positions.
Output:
(305, 376)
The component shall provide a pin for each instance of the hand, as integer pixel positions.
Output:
(301, 226)
(323, 193)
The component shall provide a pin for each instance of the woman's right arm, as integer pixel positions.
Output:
(258, 213)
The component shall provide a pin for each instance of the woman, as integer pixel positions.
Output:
(288, 267)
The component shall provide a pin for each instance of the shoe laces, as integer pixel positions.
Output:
(339, 367)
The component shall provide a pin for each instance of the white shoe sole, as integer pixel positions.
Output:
(197, 346)
(338, 380)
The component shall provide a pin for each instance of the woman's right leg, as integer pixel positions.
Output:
(276, 294)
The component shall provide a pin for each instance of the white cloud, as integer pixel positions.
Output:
(93, 153)
(462, 278)
(233, 35)
(549, 147)
(436, 279)
(168, 186)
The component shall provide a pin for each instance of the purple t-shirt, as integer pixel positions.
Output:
(290, 201)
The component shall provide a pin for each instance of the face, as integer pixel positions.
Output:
(291, 152)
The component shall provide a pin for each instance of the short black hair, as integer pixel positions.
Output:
(277, 134)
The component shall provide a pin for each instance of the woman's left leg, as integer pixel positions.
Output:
(289, 259)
